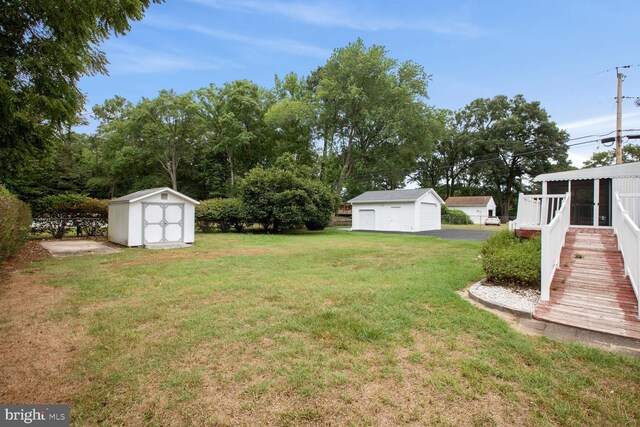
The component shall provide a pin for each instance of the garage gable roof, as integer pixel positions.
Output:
(468, 201)
(143, 194)
(394, 195)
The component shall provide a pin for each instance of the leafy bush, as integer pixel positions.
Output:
(510, 260)
(15, 222)
(454, 216)
(62, 212)
(286, 197)
(221, 213)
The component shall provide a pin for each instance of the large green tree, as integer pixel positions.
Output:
(46, 46)
(168, 127)
(373, 119)
(514, 139)
(234, 124)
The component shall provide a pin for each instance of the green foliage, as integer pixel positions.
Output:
(510, 132)
(286, 197)
(47, 46)
(454, 216)
(221, 213)
(15, 223)
(58, 213)
(630, 153)
(372, 117)
(510, 260)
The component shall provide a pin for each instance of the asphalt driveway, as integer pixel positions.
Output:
(448, 234)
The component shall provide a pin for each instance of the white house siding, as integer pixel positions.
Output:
(477, 213)
(118, 223)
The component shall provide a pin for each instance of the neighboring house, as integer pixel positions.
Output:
(156, 215)
(477, 207)
(397, 210)
(590, 262)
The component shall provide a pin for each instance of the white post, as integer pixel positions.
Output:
(596, 202)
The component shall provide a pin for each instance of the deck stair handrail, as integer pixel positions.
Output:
(553, 236)
(536, 210)
(628, 233)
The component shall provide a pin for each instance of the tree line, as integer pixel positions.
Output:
(361, 121)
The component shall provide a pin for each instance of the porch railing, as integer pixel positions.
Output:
(536, 210)
(553, 235)
(626, 228)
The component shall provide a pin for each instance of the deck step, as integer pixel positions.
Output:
(590, 289)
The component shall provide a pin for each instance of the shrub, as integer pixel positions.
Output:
(454, 216)
(221, 213)
(59, 213)
(510, 260)
(15, 222)
(286, 197)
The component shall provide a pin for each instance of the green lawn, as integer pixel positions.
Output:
(318, 328)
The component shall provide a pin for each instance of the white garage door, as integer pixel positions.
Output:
(429, 216)
(162, 222)
(367, 219)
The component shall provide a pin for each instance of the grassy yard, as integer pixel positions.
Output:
(319, 328)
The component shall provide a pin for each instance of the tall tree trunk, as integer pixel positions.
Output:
(231, 166)
(325, 148)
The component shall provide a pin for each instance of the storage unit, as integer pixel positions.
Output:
(478, 208)
(397, 210)
(153, 216)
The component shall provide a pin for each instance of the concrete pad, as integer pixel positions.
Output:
(176, 245)
(62, 248)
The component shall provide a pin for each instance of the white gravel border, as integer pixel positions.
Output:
(521, 301)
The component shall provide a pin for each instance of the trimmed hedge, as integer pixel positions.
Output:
(512, 261)
(15, 223)
(454, 216)
(62, 212)
(221, 213)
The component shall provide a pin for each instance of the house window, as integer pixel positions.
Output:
(490, 212)
(164, 196)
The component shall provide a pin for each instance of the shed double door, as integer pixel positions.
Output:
(162, 222)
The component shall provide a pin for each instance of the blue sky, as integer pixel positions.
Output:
(555, 52)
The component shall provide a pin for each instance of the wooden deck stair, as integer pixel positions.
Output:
(589, 289)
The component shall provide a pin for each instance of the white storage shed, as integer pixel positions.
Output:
(156, 215)
(478, 208)
(397, 210)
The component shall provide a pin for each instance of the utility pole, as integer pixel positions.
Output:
(619, 116)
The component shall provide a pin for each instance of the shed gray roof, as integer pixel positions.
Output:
(138, 195)
(393, 195)
(616, 171)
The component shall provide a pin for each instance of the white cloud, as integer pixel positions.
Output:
(128, 59)
(277, 44)
(343, 15)
(603, 123)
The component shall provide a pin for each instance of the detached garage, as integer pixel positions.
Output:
(153, 216)
(397, 210)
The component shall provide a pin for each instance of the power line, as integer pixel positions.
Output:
(524, 153)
